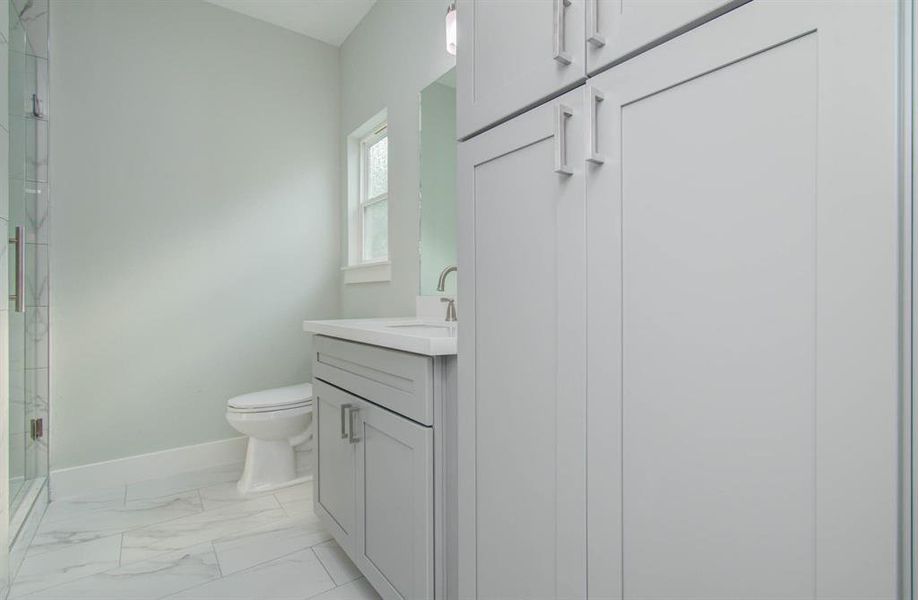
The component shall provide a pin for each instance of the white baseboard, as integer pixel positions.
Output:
(155, 465)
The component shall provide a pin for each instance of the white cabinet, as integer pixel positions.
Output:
(513, 55)
(335, 462)
(742, 322)
(395, 498)
(617, 28)
(678, 362)
(522, 353)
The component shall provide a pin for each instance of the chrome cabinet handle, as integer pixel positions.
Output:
(594, 97)
(561, 55)
(592, 15)
(18, 296)
(345, 421)
(562, 113)
(352, 438)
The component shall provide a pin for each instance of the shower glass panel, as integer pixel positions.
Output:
(28, 258)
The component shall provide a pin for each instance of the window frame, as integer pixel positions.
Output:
(380, 132)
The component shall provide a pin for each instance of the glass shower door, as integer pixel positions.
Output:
(28, 267)
(17, 169)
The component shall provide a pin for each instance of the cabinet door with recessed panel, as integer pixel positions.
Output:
(512, 55)
(522, 353)
(335, 462)
(617, 28)
(394, 544)
(742, 222)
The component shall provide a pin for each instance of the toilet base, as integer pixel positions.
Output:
(269, 465)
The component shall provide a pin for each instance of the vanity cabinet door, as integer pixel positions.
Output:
(512, 55)
(616, 28)
(335, 462)
(743, 284)
(522, 357)
(394, 544)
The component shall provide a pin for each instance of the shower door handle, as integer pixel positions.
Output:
(18, 295)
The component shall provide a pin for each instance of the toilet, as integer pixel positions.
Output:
(275, 420)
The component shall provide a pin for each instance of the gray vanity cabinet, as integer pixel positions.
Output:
(375, 480)
(336, 457)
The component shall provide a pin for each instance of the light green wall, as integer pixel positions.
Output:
(396, 51)
(195, 167)
(438, 185)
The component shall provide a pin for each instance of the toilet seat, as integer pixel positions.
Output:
(293, 396)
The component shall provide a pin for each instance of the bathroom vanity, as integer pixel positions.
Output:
(384, 438)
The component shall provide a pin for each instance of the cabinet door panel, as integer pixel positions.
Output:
(506, 59)
(522, 358)
(743, 311)
(616, 28)
(395, 503)
(335, 464)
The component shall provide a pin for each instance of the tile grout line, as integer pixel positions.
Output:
(213, 549)
(319, 558)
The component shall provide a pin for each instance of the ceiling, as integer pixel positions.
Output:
(330, 21)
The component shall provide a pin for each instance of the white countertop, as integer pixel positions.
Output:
(410, 334)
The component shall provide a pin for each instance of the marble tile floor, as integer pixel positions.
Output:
(189, 537)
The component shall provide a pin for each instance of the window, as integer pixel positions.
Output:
(368, 202)
(373, 209)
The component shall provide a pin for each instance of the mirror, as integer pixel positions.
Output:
(438, 183)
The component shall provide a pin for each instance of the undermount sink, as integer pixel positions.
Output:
(426, 328)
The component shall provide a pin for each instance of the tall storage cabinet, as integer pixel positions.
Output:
(678, 363)
(523, 223)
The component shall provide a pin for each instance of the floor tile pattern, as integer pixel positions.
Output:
(191, 537)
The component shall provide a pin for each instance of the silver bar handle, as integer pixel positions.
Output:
(560, 55)
(562, 113)
(594, 97)
(352, 438)
(345, 421)
(18, 295)
(592, 15)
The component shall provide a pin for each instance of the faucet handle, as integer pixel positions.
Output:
(450, 308)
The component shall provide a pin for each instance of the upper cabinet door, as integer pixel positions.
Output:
(521, 414)
(743, 285)
(335, 462)
(616, 28)
(395, 503)
(513, 55)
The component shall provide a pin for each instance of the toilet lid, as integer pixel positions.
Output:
(283, 397)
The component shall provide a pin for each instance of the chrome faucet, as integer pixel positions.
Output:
(441, 285)
(451, 302)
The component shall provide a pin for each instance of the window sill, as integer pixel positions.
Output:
(368, 272)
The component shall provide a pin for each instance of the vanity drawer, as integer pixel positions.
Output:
(399, 381)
